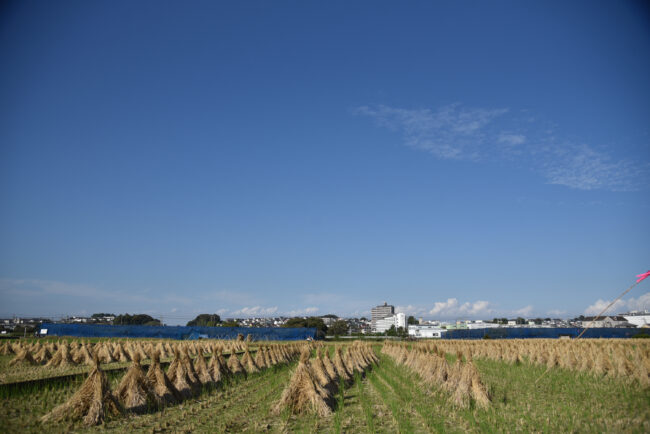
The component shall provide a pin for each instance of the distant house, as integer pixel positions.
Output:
(425, 331)
(606, 321)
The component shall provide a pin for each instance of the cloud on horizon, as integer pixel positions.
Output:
(454, 132)
(255, 311)
(453, 309)
(640, 303)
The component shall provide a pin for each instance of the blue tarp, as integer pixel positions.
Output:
(524, 333)
(177, 332)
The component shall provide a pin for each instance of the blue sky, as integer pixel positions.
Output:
(457, 159)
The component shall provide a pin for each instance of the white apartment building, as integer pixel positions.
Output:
(380, 312)
(638, 319)
(397, 320)
(425, 331)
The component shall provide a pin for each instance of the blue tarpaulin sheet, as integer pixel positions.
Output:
(524, 333)
(177, 332)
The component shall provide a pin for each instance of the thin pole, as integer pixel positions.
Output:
(608, 306)
(595, 319)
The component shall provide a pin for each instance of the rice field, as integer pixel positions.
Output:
(237, 386)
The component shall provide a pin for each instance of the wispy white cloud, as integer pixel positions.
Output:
(37, 288)
(453, 309)
(511, 139)
(640, 303)
(411, 310)
(450, 132)
(584, 168)
(303, 312)
(454, 132)
(255, 311)
(556, 312)
(524, 311)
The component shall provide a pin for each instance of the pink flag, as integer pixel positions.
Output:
(642, 276)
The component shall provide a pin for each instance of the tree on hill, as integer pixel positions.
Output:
(311, 322)
(339, 328)
(101, 315)
(205, 320)
(231, 323)
(139, 319)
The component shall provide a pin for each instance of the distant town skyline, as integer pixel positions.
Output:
(462, 160)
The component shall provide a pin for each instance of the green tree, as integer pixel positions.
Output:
(339, 328)
(392, 331)
(230, 324)
(411, 320)
(205, 320)
(311, 322)
(520, 320)
(295, 322)
(139, 319)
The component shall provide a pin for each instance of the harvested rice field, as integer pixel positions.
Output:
(237, 386)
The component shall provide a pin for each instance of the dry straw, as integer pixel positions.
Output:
(304, 393)
(135, 391)
(161, 385)
(92, 402)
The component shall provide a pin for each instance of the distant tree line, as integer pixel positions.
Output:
(139, 319)
(205, 320)
(310, 322)
(101, 315)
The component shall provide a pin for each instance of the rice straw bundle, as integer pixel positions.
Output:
(119, 354)
(104, 354)
(260, 360)
(248, 363)
(7, 349)
(234, 365)
(43, 355)
(303, 393)
(329, 366)
(92, 402)
(202, 370)
(320, 374)
(135, 391)
(82, 356)
(61, 358)
(24, 357)
(190, 371)
(218, 369)
(177, 374)
(161, 385)
(341, 367)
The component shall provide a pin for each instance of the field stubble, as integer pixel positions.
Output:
(388, 397)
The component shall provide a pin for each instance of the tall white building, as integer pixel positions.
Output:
(397, 320)
(380, 312)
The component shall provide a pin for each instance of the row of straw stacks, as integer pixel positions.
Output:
(64, 354)
(460, 379)
(315, 381)
(140, 391)
(627, 359)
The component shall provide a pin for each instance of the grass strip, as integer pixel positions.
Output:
(395, 405)
(365, 404)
